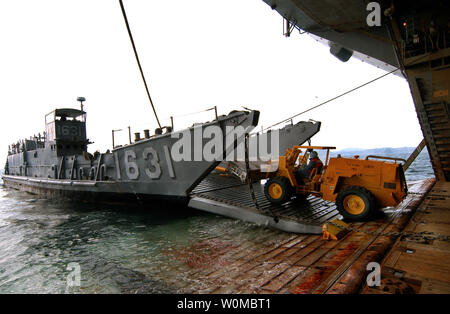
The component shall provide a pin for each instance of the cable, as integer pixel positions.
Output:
(331, 99)
(137, 59)
(193, 113)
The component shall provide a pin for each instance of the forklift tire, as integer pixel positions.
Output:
(278, 190)
(355, 203)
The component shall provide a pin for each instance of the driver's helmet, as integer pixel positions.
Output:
(313, 154)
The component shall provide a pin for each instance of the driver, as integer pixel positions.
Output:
(314, 163)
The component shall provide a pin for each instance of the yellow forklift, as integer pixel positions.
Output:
(357, 186)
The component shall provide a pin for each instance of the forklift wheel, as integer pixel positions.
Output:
(278, 190)
(355, 203)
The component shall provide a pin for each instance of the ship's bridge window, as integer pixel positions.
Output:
(66, 124)
(66, 118)
(66, 114)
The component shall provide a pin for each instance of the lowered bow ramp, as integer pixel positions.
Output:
(227, 196)
(286, 137)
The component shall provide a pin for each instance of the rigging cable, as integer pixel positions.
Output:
(137, 59)
(331, 99)
(193, 113)
(347, 92)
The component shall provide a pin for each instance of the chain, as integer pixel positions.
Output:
(413, 236)
(247, 168)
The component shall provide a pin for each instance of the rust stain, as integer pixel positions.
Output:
(203, 254)
(310, 282)
(340, 257)
(351, 246)
(354, 278)
(329, 265)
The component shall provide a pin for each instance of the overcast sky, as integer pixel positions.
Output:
(195, 54)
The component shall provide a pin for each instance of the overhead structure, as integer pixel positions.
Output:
(412, 36)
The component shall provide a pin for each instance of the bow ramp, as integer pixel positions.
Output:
(228, 196)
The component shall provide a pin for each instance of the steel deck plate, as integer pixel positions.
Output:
(230, 197)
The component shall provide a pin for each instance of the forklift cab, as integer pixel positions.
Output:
(302, 160)
(313, 179)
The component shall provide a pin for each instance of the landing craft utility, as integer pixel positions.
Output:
(59, 165)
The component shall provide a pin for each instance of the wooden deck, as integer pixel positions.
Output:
(279, 262)
(420, 265)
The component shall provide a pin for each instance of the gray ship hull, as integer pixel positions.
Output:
(92, 192)
(142, 171)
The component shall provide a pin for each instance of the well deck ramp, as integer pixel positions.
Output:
(227, 196)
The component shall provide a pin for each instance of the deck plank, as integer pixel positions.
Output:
(421, 265)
